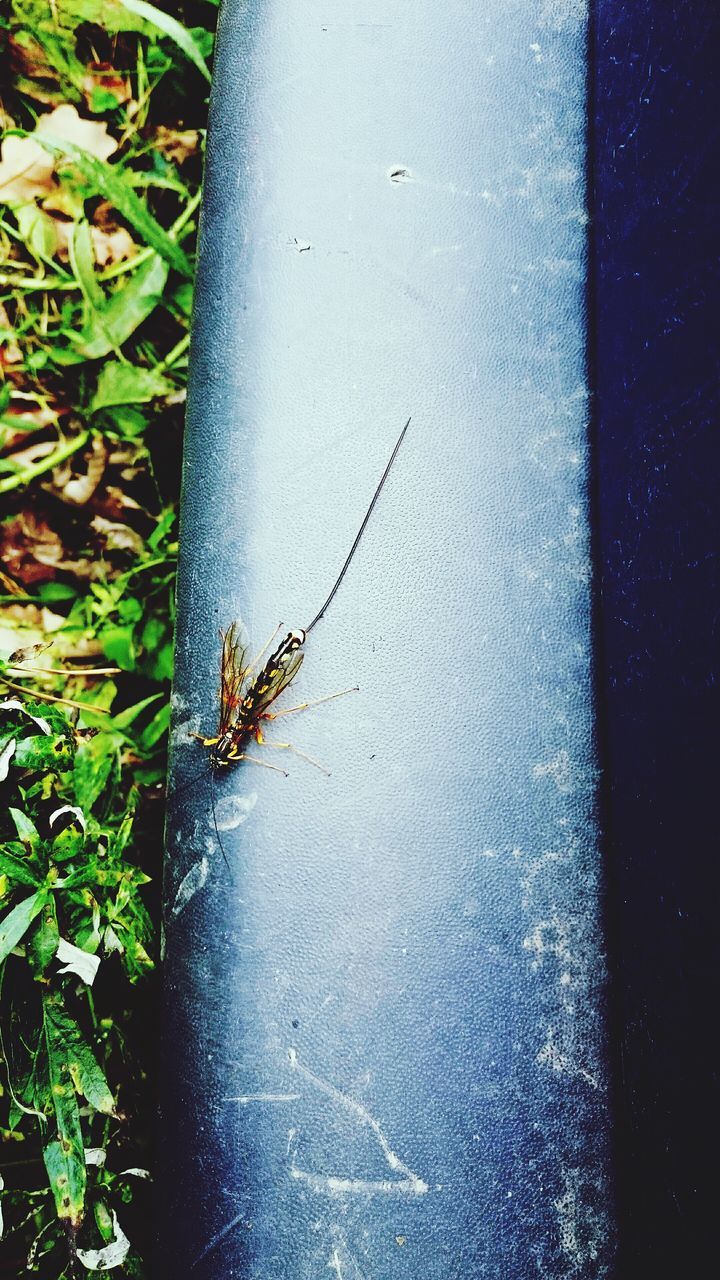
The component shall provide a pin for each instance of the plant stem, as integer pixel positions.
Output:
(51, 697)
(28, 474)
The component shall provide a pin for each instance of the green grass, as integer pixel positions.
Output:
(104, 118)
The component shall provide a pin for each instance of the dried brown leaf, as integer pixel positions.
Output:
(176, 144)
(26, 171)
(77, 487)
(117, 537)
(65, 123)
(31, 551)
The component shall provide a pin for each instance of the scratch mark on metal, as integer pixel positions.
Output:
(221, 1234)
(244, 1098)
(408, 1184)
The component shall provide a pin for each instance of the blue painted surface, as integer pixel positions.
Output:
(386, 1030)
(656, 162)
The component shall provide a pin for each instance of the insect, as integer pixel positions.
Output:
(246, 699)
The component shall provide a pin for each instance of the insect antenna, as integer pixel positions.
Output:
(191, 782)
(215, 824)
(360, 531)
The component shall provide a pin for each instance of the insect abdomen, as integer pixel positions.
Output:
(265, 681)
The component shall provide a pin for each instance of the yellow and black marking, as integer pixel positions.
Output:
(245, 700)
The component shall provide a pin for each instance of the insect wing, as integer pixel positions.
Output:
(284, 676)
(232, 676)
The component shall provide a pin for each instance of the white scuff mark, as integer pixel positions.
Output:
(559, 769)
(561, 14)
(6, 756)
(190, 885)
(95, 1156)
(75, 960)
(181, 734)
(231, 811)
(538, 866)
(134, 1172)
(555, 1056)
(111, 1255)
(178, 702)
(244, 1098)
(408, 1184)
(342, 1261)
(548, 938)
(14, 704)
(582, 1228)
(69, 808)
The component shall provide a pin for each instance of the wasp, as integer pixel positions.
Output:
(246, 699)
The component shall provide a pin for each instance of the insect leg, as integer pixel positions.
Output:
(273, 715)
(263, 764)
(207, 742)
(288, 746)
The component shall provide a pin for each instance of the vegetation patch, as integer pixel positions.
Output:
(103, 119)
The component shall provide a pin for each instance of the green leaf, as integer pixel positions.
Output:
(109, 181)
(94, 761)
(119, 646)
(50, 591)
(129, 305)
(112, 15)
(38, 232)
(82, 261)
(126, 717)
(15, 925)
(64, 1155)
(41, 752)
(172, 28)
(65, 1161)
(125, 421)
(17, 869)
(158, 726)
(162, 528)
(159, 665)
(68, 844)
(69, 1045)
(128, 384)
(26, 829)
(43, 941)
